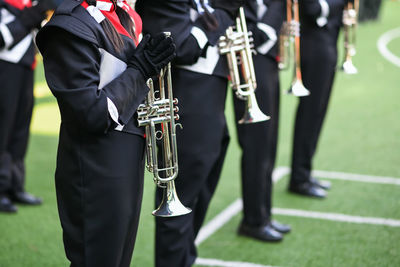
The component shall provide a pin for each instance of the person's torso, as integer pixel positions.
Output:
(23, 52)
(73, 17)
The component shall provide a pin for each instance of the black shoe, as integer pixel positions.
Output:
(308, 189)
(26, 198)
(6, 205)
(280, 227)
(264, 233)
(326, 185)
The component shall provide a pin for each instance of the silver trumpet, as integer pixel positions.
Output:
(237, 46)
(349, 31)
(297, 88)
(162, 110)
(285, 45)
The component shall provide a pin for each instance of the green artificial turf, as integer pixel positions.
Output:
(361, 135)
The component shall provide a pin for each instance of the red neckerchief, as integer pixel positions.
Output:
(20, 4)
(107, 8)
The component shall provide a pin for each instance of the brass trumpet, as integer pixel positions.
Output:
(237, 46)
(287, 39)
(285, 42)
(350, 14)
(162, 110)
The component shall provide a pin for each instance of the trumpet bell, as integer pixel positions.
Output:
(298, 89)
(253, 113)
(170, 205)
(349, 68)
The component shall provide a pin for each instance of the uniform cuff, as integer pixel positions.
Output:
(200, 36)
(322, 20)
(113, 111)
(272, 38)
(7, 36)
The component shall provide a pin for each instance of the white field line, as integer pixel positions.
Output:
(237, 206)
(336, 217)
(382, 43)
(357, 177)
(226, 215)
(218, 221)
(215, 262)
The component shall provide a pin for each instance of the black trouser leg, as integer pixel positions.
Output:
(201, 146)
(20, 135)
(258, 142)
(13, 85)
(99, 184)
(318, 75)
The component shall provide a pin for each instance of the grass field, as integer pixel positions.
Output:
(361, 135)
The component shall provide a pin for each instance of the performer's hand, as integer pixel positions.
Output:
(258, 36)
(32, 17)
(46, 5)
(152, 54)
(230, 6)
(349, 17)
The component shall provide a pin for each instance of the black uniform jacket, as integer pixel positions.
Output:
(264, 18)
(95, 89)
(16, 42)
(321, 19)
(196, 45)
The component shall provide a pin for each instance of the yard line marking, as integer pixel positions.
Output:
(233, 209)
(337, 217)
(357, 177)
(215, 262)
(382, 43)
(279, 173)
(218, 221)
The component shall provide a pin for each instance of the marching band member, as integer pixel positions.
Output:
(18, 19)
(320, 24)
(258, 141)
(97, 70)
(200, 83)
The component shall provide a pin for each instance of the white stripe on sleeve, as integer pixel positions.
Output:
(200, 36)
(271, 33)
(7, 37)
(113, 111)
(322, 20)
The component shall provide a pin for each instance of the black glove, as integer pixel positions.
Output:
(259, 37)
(33, 16)
(152, 54)
(230, 6)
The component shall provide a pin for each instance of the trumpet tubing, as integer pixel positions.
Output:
(237, 45)
(285, 43)
(158, 117)
(350, 14)
(289, 48)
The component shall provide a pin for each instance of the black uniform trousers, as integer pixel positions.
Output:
(318, 64)
(202, 145)
(16, 103)
(99, 186)
(258, 142)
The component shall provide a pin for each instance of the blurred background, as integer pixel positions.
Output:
(359, 152)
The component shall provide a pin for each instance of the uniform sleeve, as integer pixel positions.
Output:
(11, 29)
(270, 24)
(191, 38)
(72, 72)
